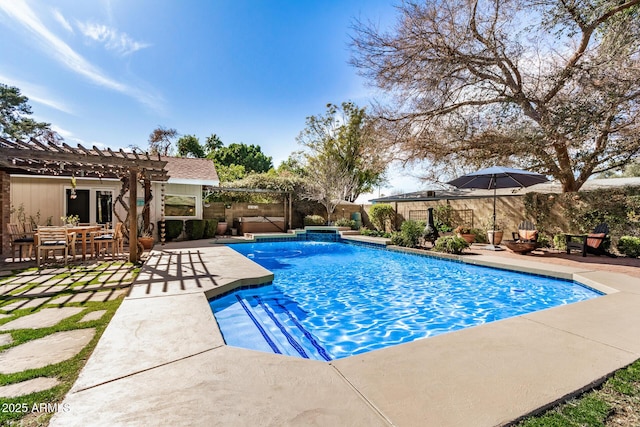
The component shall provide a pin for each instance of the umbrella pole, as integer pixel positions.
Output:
(494, 205)
(491, 246)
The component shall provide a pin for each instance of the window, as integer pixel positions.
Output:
(91, 206)
(179, 205)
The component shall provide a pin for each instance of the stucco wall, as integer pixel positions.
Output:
(509, 210)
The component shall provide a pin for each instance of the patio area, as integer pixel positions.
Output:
(162, 359)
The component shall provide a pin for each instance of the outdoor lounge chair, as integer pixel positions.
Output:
(525, 239)
(595, 242)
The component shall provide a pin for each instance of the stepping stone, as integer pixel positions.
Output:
(23, 303)
(49, 350)
(5, 339)
(90, 296)
(6, 289)
(4, 316)
(94, 315)
(45, 289)
(28, 387)
(42, 319)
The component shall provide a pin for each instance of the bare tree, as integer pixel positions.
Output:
(161, 139)
(327, 182)
(549, 85)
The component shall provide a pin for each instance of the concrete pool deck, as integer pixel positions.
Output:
(162, 359)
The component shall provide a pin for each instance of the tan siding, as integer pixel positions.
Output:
(47, 195)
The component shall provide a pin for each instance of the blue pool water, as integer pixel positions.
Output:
(332, 300)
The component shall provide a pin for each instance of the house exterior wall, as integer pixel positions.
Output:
(46, 195)
(5, 210)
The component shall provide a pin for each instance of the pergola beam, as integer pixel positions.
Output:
(51, 159)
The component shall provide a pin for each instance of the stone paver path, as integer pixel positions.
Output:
(94, 315)
(4, 316)
(27, 387)
(49, 350)
(42, 319)
(5, 339)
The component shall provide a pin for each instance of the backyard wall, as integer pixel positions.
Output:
(217, 210)
(475, 212)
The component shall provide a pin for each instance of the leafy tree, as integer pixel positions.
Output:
(189, 146)
(14, 123)
(230, 173)
(293, 165)
(344, 135)
(249, 156)
(213, 143)
(161, 140)
(550, 85)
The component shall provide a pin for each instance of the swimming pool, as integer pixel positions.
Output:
(333, 300)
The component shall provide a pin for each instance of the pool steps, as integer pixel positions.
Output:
(276, 327)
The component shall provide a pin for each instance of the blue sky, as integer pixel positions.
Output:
(107, 72)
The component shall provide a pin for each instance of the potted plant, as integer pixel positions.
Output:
(465, 233)
(70, 220)
(146, 240)
(494, 232)
(145, 234)
(221, 228)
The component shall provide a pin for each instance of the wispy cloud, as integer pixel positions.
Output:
(62, 52)
(36, 94)
(62, 20)
(111, 38)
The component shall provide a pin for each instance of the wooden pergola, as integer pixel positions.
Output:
(51, 159)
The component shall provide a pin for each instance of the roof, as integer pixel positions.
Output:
(435, 191)
(189, 170)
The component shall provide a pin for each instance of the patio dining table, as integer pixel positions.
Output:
(83, 235)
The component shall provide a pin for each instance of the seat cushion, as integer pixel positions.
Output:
(528, 234)
(54, 243)
(594, 240)
(104, 237)
(24, 240)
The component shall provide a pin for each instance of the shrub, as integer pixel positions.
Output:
(210, 226)
(194, 229)
(364, 231)
(314, 220)
(345, 222)
(544, 241)
(443, 218)
(629, 246)
(410, 233)
(381, 215)
(560, 242)
(450, 245)
(481, 235)
(173, 228)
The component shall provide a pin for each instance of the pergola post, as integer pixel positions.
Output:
(133, 215)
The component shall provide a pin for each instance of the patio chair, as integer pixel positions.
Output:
(527, 232)
(19, 239)
(525, 239)
(104, 238)
(595, 242)
(55, 238)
